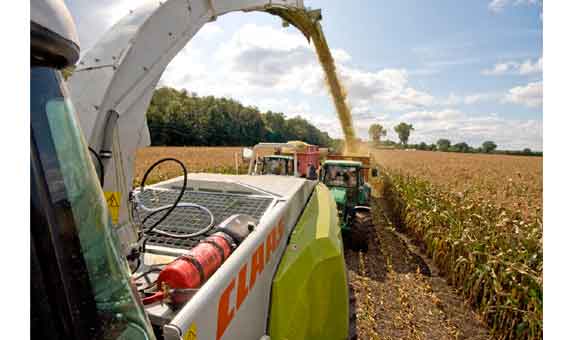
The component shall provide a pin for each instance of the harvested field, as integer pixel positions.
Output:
(512, 182)
(196, 159)
(398, 296)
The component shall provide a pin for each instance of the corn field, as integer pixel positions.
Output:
(493, 256)
(514, 183)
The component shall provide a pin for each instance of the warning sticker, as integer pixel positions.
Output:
(113, 200)
(192, 333)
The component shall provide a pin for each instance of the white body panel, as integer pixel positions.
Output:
(203, 313)
(118, 75)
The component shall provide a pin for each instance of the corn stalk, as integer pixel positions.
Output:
(493, 257)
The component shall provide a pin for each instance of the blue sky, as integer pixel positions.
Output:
(463, 70)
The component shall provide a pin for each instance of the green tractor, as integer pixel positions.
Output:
(348, 180)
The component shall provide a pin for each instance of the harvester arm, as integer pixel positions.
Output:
(115, 80)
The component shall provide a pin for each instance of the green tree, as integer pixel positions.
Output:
(376, 131)
(443, 144)
(489, 146)
(275, 123)
(182, 118)
(462, 147)
(403, 131)
(389, 142)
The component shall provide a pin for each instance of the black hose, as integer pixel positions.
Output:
(151, 270)
(100, 165)
(145, 275)
(178, 199)
(138, 263)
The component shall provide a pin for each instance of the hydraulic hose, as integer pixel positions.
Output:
(100, 165)
(182, 205)
(178, 199)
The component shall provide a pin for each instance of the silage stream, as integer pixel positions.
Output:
(311, 28)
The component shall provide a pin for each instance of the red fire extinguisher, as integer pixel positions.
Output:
(193, 269)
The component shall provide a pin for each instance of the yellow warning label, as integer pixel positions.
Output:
(192, 333)
(113, 200)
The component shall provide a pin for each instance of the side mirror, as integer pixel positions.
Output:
(374, 172)
(247, 153)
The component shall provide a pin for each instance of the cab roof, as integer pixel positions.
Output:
(279, 156)
(342, 163)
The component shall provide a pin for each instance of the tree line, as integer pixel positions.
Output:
(178, 118)
(403, 131)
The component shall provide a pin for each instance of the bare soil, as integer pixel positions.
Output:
(398, 294)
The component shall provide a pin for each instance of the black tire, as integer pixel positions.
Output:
(360, 231)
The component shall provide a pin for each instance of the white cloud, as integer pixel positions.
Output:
(530, 95)
(388, 88)
(265, 60)
(499, 69)
(476, 98)
(469, 99)
(442, 115)
(210, 29)
(527, 67)
(112, 11)
(498, 5)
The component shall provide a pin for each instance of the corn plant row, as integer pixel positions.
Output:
(494, 258)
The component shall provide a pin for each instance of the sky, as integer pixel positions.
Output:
(468, 71)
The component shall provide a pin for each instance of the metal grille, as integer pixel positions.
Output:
(186, 220)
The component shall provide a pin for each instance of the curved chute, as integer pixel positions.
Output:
(114, 81)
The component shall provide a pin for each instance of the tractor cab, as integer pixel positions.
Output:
(294, 158)
(277, 165)
(347, 182)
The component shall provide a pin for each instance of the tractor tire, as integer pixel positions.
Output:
(360, 231)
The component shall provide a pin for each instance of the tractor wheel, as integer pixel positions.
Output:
(360, 231)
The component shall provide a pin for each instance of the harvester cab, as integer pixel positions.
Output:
(80, 288)
(348, 181)
(201, 256)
